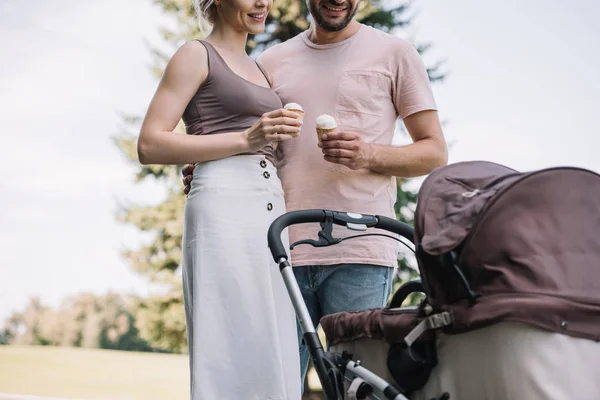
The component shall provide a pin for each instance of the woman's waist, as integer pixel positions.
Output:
(245, 171)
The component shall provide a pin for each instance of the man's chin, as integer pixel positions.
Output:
(332, 24)
(333, 27)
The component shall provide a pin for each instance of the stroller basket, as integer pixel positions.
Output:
(333, 368)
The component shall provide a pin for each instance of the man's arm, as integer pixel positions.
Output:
(428, 150)
(414, 103)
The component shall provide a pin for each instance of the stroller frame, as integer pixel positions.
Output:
(333, 368)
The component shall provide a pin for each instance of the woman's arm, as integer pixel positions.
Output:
(185, 72)
(157, 143)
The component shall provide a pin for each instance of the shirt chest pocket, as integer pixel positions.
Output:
(363, 100)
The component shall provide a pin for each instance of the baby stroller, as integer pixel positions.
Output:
(333, 369)
(509, 266)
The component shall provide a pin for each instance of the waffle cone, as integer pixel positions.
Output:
(299, 112)
(322, 131)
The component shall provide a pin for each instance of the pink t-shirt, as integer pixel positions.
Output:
(365, 82)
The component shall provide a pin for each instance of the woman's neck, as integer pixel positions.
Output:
(227, 38)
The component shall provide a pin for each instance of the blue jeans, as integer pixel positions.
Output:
(329, 289)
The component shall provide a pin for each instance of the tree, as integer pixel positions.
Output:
(163, 324)
(29, 327)
(82, 320)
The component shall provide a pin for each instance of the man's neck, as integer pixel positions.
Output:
(318, 35)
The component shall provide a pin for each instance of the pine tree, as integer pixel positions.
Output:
(161, 319)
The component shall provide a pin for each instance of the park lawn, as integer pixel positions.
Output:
(92, 374)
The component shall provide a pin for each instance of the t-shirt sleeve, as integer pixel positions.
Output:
(412, 87)
(267, 60)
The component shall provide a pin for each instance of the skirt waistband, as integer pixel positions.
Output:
(241, 172)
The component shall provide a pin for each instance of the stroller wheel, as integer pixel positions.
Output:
(412, 367)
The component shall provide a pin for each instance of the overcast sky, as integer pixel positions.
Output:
(522, 91)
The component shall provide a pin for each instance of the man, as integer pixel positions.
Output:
(366, 79)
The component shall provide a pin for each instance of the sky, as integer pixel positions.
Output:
(521, 90)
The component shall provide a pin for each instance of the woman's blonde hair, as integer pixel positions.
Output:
(206, 12)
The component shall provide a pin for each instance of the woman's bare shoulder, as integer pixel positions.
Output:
(192, 51)
(189, 62)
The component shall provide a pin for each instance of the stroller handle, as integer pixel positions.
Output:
(351, 220)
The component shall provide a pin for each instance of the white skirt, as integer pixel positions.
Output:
(241, 325)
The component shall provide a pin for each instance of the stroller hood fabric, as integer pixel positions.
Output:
(527, 243)
(452, 197)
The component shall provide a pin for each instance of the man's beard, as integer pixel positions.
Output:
(319, 20)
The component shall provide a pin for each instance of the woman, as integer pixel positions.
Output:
(240, 321)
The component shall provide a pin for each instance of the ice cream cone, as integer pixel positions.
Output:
(322, 131)
(294, 107)
(325, 124)
(297, 108)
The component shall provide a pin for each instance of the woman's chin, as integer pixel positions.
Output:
(255, 30)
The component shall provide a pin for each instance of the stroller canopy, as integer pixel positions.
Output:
(532, 237)
(451, 199)
(528, 244)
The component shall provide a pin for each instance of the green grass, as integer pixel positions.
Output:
(93, 374)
